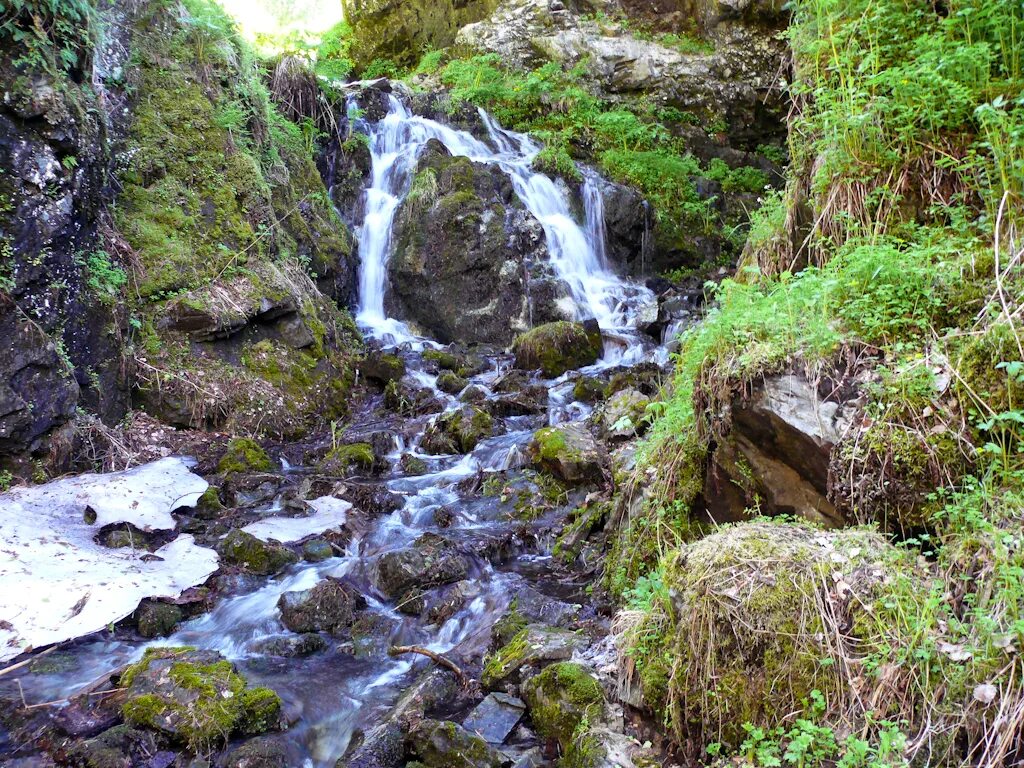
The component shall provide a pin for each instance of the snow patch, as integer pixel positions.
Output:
(57, 583)
(329, 514)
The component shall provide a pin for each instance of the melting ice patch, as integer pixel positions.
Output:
(57, 583)
(329, 514)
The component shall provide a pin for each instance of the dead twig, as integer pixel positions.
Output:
(399, 650)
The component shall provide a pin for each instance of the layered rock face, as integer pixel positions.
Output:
(717, 58)
(61, 329)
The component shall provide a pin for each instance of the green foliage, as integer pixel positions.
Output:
(52, 34)
(333, 56)
(742, 179)
(104, 278)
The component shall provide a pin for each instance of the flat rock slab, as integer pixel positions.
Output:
(57, 583)
(495, 717)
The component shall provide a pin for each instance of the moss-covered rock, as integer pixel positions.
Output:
(317, 550)
(555, 348)
(413, 465)
(459, 265)
(622, 416)
(534, 644)
(458, 431)
(382, 368)
(342, 458)
(114, 748)
(569, 452)
(257, 753)
(561, 699)
(449, 745)
(588, 389)
(196, 698)
(431, 561)
(451, 383)
(327, 607)
(749, 613)
(156, 619)
(237, 250)
(403, 30)
(245, 551)
(244, 455)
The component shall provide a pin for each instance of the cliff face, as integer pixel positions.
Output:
(167, 240)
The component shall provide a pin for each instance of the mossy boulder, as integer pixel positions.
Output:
(588, 389)
(196, 698)
(317, 550)
(569, 452)
(157, 619)
(413, 466)
(535, 644)
(244, 455)
(448, 745)
(252, 555)
(382, 368)
(327, 607)
(561, 699)
(451, 383)
(458, 431)
(114, 748)
(431, 561)
(342, 459)
(462, 243)
(757, 616)
(555, 348)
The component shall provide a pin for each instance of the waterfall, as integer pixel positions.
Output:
(577, 255)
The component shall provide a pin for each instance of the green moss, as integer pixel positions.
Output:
(249, 553)
(561, 698)
(260, 711)
(557, 347)
(344, 457)
(446, 360)
(244, 455)
(510, 656)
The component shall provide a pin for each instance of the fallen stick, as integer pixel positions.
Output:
(27, 661)
(398, 650)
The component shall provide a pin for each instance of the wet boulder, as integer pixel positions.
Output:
(458, 270)
(195, 698)
(157, 619)
(252, 555)
(291, 646)
(495, 717)
(382, 368)
(555, 348)
(119, 746)
(458, 431)
(431, 561)
(327, 607)
(448, 745)
(534, 645)
(569, 452)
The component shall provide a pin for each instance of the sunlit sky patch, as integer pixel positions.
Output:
(280, 17)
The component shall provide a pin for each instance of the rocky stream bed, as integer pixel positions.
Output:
(385, 595)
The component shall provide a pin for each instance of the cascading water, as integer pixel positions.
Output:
(577, 254)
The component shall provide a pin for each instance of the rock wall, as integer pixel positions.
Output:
(166, 239)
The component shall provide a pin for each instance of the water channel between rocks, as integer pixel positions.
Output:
(332, 695)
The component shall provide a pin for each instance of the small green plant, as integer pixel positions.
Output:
(104, 279)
